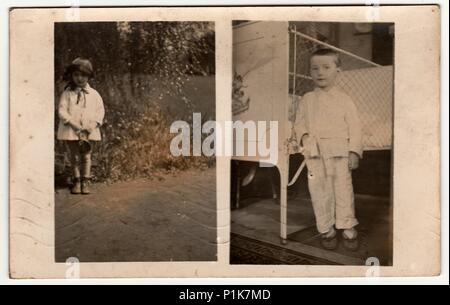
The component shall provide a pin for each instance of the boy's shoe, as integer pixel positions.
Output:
(85, 186)
(76, 188)
(329, 240)
(350, 237)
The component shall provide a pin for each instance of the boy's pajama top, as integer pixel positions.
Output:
(331, 120)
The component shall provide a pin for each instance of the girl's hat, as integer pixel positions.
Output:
(79, 64)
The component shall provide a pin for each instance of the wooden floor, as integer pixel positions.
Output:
(258, 220)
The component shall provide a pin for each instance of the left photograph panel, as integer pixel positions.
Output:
(130, 185)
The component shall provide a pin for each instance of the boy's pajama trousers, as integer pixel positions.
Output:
(331, 189)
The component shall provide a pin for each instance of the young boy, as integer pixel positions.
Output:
(330, 134)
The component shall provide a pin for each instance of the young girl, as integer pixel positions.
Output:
(81, 114)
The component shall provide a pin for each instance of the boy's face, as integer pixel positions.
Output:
(324, 70)
(80, 79)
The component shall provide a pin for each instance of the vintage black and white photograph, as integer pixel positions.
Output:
(327, 200)
(120, 192)
(215, 143)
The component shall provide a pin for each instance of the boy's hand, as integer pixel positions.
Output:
(353, 161)
(304, 140)
(305, 144)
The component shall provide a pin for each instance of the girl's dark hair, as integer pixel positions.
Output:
(79, 64)
(327, 52)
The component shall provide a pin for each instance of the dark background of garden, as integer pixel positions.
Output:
(149, 74)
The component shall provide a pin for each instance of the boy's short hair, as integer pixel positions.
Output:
(327, 52)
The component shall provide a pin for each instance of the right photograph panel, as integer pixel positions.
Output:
(322, 94)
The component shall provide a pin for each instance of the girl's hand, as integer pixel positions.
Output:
(91, 127)
(75, 126)
(83, 135)
(353, 161)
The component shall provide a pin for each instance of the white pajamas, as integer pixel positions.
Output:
(331, 120)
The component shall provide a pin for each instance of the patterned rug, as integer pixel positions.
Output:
(247, 251)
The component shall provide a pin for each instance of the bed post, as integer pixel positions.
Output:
(284, 169)
(284, 177)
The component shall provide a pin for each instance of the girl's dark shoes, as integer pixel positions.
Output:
(76, 187)
(85, 190)
(80, 186)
